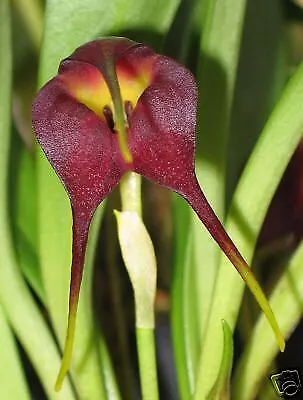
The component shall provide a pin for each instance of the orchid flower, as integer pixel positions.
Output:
(117, 106)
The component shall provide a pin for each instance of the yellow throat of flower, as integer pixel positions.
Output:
(111, 96)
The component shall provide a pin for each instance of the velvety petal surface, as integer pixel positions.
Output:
(116, 105)
(78, 144)
(162, 142)
(83, 151)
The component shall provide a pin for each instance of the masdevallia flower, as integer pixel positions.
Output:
(117, 106)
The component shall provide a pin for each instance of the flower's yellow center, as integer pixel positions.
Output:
(88, 86)
(112, 101)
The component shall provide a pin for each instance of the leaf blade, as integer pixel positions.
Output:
(249, 207)
(287, 303)
(219, 55)
(17, 303)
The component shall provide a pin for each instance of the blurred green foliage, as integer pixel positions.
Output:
(246, 56)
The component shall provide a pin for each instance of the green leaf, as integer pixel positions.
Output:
(177, 40)
(110, 382)
(32, 16)
(221, 388)
(184, 314)
(25, 219)
(287, 303)
(261, 77)
(181, 216)
(196, 259)
(13, 382)
(18, 305)
(265, 167)
(68, 24)
(190, 316)
(219, 55)
(268, 392)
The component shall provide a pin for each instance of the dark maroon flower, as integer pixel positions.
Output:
(116, 106)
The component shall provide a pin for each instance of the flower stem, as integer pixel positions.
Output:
(130, 189)
(147, 363)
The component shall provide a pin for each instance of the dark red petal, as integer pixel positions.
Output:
(162, 142)
(83, 151)
(78, 144)
(162, 126)
(101, 51)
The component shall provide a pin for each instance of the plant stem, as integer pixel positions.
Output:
(147, 363)
(130, 190)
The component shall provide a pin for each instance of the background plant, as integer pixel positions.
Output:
(246, 57)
